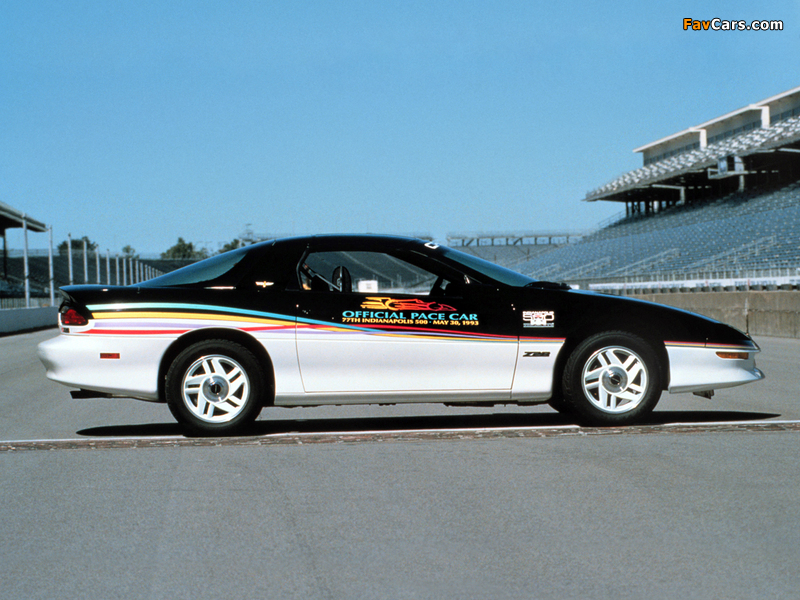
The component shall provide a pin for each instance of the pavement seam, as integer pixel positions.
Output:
(407, 435)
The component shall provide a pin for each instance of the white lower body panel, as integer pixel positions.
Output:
(694, 369)
(74, 360)
(535, 373)
(344, 363)
(429, 396)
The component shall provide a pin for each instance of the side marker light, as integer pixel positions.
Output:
(733, 355)
(109, 355)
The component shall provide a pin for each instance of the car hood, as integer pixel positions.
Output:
(589, 310)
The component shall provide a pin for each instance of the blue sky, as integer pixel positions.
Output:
(139, 122)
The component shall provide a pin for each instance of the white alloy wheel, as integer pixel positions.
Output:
(215, 388)
(615, 379)
(611, 378)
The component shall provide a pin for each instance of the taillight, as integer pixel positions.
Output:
(72, 317)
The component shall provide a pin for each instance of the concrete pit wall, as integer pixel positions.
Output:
(775, 314)
(15, 320)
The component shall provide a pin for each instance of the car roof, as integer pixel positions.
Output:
(362, 241)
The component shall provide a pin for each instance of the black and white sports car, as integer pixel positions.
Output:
(375, 320)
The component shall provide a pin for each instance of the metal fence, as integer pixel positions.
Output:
(33, 302)
(784, 278)
(35, 274)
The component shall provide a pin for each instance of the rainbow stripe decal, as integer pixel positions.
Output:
(172, 319)
(156, 318)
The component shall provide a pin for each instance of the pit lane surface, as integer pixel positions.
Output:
(399, 502)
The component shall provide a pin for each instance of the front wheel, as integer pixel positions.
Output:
(612, 379)
(215, 387)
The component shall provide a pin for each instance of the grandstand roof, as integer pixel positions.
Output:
(768, 130)
(11, 217)
(759, 107)
(691, 133)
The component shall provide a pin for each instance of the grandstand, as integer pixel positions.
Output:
(740, 233)
(10, 285)
(511, 249)
(718, 201)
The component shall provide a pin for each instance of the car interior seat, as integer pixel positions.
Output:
(342, 280)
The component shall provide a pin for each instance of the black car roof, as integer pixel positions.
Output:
(361, 240)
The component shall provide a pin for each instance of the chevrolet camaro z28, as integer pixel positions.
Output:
(321, 320)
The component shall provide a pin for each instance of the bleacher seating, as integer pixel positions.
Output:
(509, 255)
(746, 230)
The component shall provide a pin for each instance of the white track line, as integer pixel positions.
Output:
(718, 423)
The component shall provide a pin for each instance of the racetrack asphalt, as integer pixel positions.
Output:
(106, 499)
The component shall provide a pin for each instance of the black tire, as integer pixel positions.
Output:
(611, 378)
(558, 404)
(215, 387)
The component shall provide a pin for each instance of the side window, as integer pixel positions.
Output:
(271, 271)
(366, 273)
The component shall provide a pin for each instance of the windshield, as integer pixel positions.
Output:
(204, 271)
(496, 272)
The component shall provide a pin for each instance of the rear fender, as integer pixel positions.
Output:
(217, 333)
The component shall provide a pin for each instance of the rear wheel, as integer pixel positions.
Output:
(215, 387)
(612, 379)
(557, 403)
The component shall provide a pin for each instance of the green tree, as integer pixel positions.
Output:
(77, 244)
(129, 252)
(237, 243)
(185, 250)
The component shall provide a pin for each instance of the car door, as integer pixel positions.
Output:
(371, 322)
